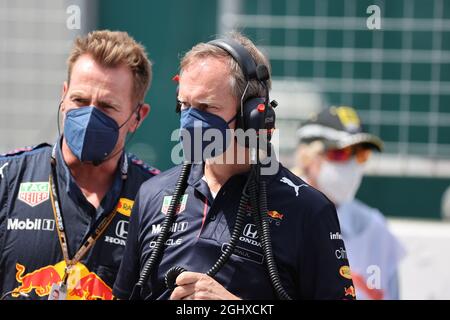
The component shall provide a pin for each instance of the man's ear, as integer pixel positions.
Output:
(141, 114)
(64, 90)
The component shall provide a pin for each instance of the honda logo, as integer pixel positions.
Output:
(250, 231)
(122, 229)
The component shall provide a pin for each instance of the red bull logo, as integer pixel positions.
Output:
(92, 287)
(40, 280)
(81, 283)
(275, 215)
(350, 291)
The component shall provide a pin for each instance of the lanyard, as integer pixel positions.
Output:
(87, 245)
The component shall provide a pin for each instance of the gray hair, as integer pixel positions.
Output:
(237, 80)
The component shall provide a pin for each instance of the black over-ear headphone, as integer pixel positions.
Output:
(255, 112)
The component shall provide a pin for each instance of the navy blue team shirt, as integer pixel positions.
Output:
(305, 233)
(31, 258)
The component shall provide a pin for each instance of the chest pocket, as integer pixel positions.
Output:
(111, 245)
(219, 231)
(220, 218)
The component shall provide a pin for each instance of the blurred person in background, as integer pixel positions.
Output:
(64, 209)
(330, 156)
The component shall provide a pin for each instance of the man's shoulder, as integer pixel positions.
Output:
(141, 165)
(18, 162)
(13, 160)
(161, 184)
(163, 179)
(25, 152)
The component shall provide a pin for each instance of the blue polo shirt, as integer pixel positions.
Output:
(31, 259)
(304, 227)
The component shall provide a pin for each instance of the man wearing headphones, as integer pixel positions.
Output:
(64, 209)
(218, 84)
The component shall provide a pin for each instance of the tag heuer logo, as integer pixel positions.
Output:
(33, 193)
(166, 204)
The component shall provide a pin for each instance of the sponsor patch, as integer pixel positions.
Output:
(81, 283)
(176, 227)
(33, 193)
(275, 215)
(120, 242)
(340, 253)
(350, 291)
(344, 271)
(169, 242)
(168, 199)
(293, 185)
(122, 229)
(125, 206)
(335, 236)
(31, 224)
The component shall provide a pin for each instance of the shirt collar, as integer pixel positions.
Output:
(197, 172)
(67, 182)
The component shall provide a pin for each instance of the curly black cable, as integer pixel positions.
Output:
(259, 213)
(267, 245)
(158, 249)
(237, 229)
(254, 206)
(171, 276)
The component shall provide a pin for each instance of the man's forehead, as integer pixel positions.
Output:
(203, 92)
(207, 82)
(205, 74)
(111, 82)
(86, 66)
(205, 64)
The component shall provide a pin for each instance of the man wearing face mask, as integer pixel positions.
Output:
(64, 209)
(213, 87)
(331, 155)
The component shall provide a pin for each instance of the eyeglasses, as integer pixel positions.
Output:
(340, 155)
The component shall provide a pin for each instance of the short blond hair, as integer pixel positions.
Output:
(112, 49)
(238, 81)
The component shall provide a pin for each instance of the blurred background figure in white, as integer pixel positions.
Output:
(331, 154)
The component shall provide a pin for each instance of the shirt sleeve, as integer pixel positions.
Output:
(129, 269)
(325, 271)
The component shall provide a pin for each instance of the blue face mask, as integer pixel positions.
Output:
(90, 134)
(202, 143)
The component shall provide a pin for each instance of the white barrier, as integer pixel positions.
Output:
(425, 270)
